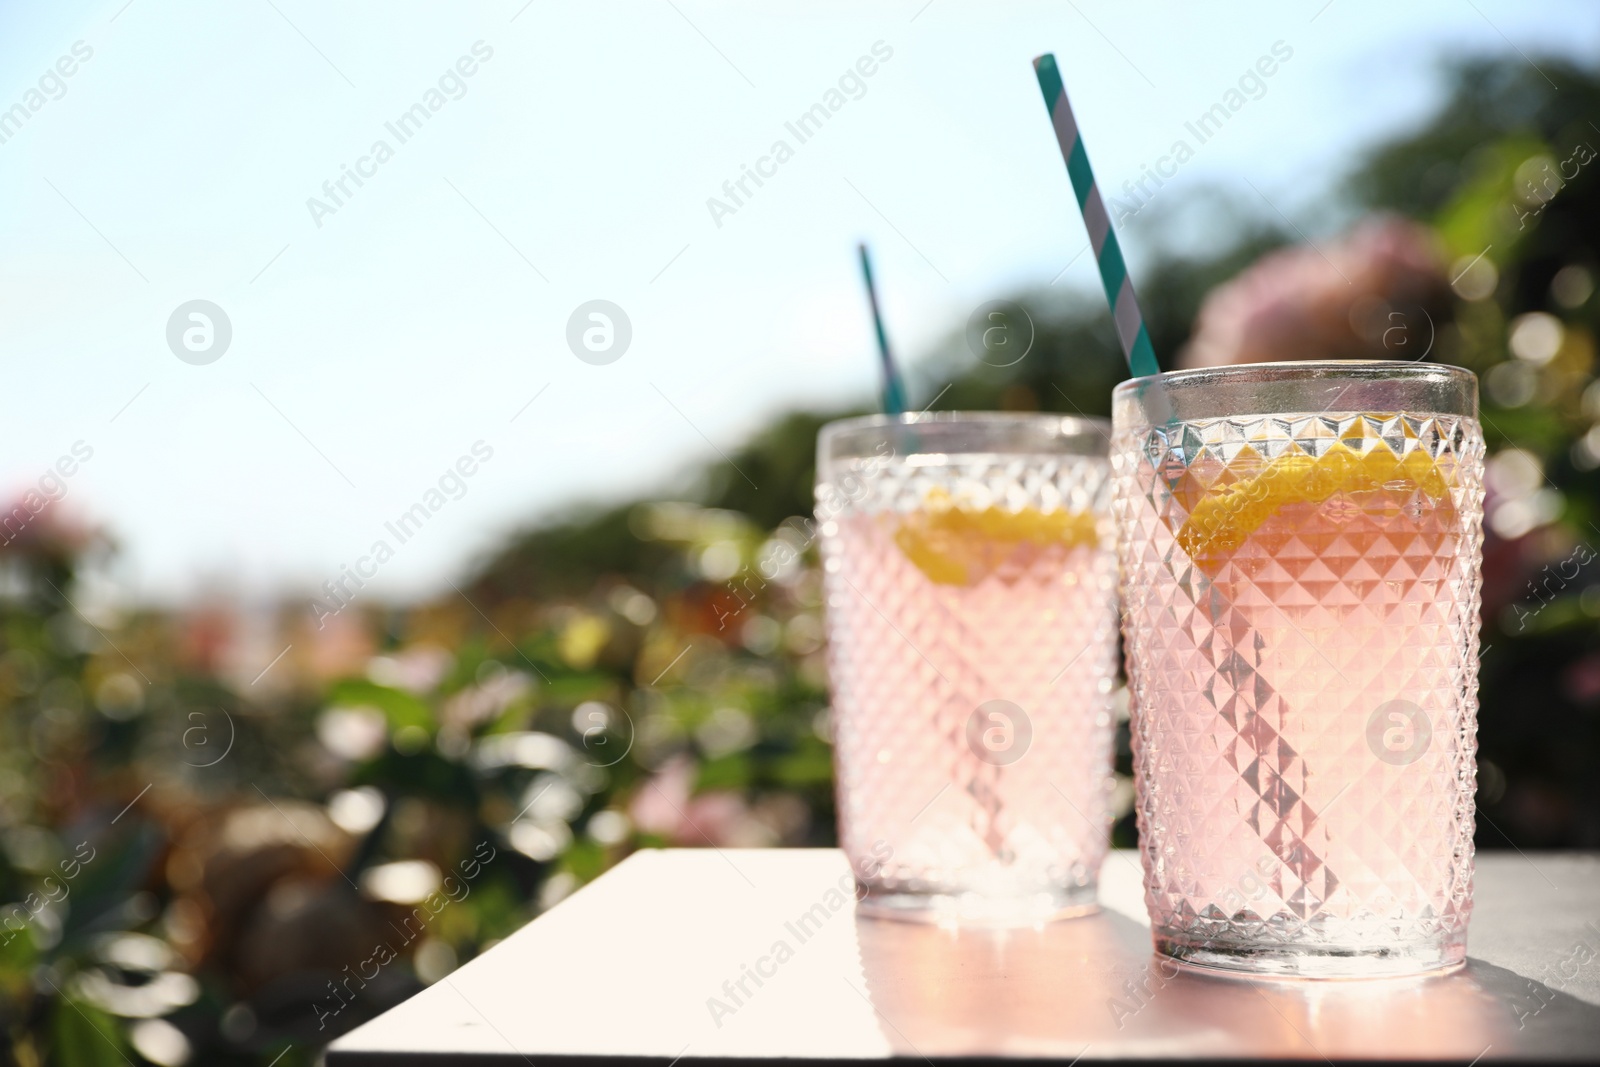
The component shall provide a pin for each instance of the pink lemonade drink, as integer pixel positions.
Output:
(970, 584)
(1300, 549)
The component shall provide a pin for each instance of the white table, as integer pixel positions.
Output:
(644, 967)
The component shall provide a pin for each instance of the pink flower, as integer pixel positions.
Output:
(658, 806)
(1379, 293)
(719, 818)
(34, 525)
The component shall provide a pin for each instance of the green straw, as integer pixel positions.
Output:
(1107, 253)
(894, 390)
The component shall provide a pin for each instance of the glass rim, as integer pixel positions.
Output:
(1077, 423)
(961, 433)
(1301, 369)
(1298, 387)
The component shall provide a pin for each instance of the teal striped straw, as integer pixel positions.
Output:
(894, 390)
(1107, 252)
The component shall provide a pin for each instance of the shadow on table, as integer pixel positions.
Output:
(1545, 1022)
(1052, 992)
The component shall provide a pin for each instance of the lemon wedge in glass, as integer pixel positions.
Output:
(1225, 515)
(955, 544)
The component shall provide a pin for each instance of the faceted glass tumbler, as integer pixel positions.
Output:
(1300, 547)
(970, 583)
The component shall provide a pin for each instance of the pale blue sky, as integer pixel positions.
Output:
(420, 318)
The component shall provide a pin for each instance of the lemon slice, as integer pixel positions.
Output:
(1225, 516)
(956, 545)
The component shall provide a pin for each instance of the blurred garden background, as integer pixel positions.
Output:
(206, 862)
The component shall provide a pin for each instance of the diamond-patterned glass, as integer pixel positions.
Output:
(972, 652)
(1301, 597)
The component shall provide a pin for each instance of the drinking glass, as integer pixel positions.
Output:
(1300, 547)
(970, 584)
